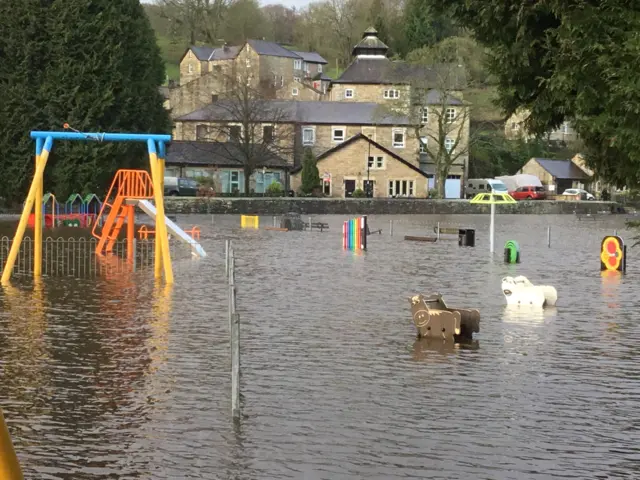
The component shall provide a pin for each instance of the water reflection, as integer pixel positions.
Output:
(611, 281)
(436, 350)
(528, 314)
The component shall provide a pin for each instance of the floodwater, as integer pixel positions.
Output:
(119, 378)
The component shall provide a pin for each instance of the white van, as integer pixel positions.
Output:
(484, 185)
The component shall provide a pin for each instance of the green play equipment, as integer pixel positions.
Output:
(511, 252)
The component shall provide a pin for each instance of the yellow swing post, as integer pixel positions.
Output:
(37, 226)
(26, 211)
(9, 465)
(163, 257)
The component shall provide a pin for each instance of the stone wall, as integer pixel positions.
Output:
(352, 206)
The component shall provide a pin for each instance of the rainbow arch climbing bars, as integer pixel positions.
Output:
(354, 234)
(156, 147)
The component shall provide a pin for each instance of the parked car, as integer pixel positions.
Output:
(579, 191)
(529, 193)
(180, 187)
(484, 185)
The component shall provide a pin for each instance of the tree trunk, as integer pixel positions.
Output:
(247, 180)
(441, 178)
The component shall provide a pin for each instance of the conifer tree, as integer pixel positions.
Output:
(91, 63)
(310, 175)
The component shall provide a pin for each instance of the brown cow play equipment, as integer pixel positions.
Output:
(433, 319)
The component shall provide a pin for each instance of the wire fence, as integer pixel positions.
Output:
(76, 257)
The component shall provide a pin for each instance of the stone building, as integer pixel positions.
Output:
(514, 128)
(277, 71)
(558, 175)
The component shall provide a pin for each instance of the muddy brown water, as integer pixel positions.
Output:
(120, 378)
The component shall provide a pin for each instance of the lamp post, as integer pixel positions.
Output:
(369, 189)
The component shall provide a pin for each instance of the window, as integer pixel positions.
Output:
(423, 145)
(425, 115)
(308, 136)
(234, 133)
(319, 68)
(190, 68)
(326, 186)
(348, 93)
(450, 115)
(400, 188)
(448, 144)
(375, 163)
(398, 138)
(214, 98)
(338, 134)
(294, 92)
(307, 67)
(297, 64)
(217, 68)
(201, 132)
(514, 126)
(234, 184)
(297, 79)
(281, 81)
(392, 93)
(267, 133)
(248, 63)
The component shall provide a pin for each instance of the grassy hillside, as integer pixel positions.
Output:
(171, 49)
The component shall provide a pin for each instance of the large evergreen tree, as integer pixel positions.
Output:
(91, 63)
(567, 59)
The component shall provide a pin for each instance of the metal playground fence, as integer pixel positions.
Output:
(76, 257)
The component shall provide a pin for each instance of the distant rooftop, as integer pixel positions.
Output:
(261, 47)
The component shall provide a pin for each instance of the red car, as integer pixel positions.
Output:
(529, 193)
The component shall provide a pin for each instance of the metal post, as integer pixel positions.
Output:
(391, 227)
(493, 218)
(135, 253)
(235, 365)
(227, 245)
(549, 237)
(438, 232)
(309, 223)
(615, 232)
(274, 220)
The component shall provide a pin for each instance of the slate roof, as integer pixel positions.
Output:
(310, 112)
(354, 139)
(262, 47)
(370, 44)
(434, 97)
(562, 169)
(201, 53)
(311, 57)
(205, 54)
(216, 154)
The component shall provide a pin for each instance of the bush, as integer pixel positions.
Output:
(274, 190)
(433, 194)
(359, 193)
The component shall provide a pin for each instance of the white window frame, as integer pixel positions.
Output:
(297, 64)
(333, 134)
(396, 183)
(424, 141)
(190, 68)
(294, 91)
(450, 115)
(391, 94)
(313, 136)
(450, 142)
(247, 62)
(347, 90)
(424, 115)
(319, 68)
(378, 162)
(273, 131)
(395, 131)
(306, 67)
(229, 125)
(323, 183)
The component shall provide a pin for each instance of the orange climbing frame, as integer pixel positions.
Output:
(127, 184)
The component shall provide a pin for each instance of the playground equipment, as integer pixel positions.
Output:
(492, 199)
(520, 291)
(511, 252)
(613, 254)
(249, 221)
(466, 236)
(354, 233)
(434, 319)
(78, 211)
(9, 465)
(130, 184)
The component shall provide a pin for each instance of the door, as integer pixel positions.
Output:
(349, 188)
(452, 188)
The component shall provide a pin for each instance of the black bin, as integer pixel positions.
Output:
(466, 237)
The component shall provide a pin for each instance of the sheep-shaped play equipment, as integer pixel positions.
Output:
(520, 291)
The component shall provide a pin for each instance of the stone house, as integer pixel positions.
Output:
(277, 71)
(557, 175)
(360, 160)
(316, 125)
(222, 162)
(514, 128)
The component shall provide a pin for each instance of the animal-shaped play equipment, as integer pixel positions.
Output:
(520, 291)
(434, 319)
